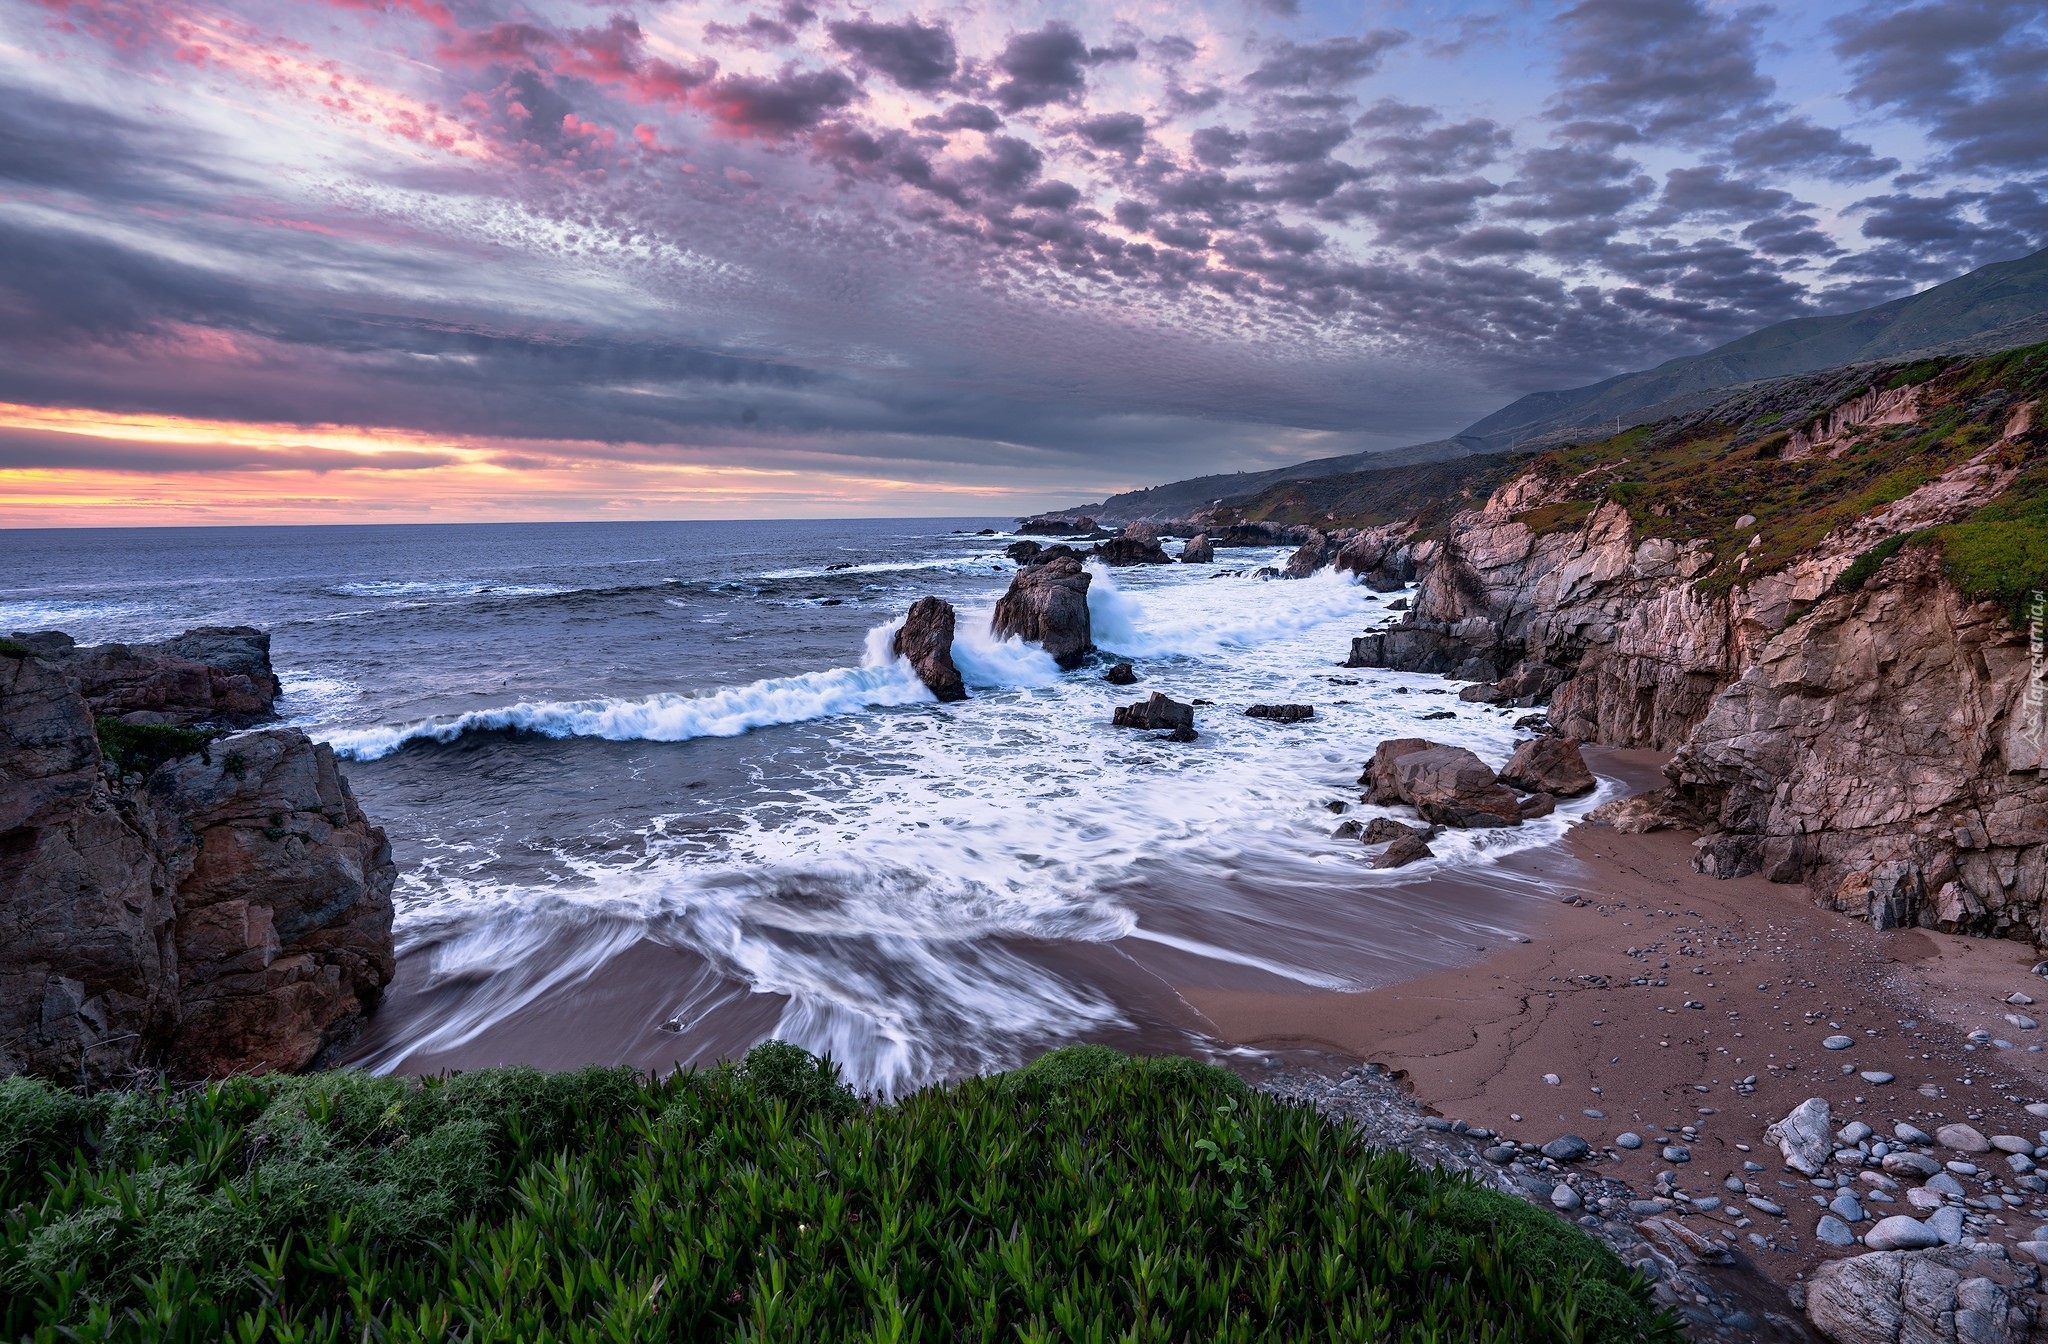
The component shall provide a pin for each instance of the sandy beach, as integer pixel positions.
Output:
(1649, 997)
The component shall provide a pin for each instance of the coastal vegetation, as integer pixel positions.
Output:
(1090, 1196)
(138, 748)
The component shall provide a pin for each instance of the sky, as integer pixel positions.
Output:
(315, 261)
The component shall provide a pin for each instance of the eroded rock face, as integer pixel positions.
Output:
(1380, 556)
(1048, 604)
(1884, 752)
(231, 912)
(1120, 552)
(1447, 785)
(1198, 551)
(1310, 556)
(926, 639)
(1552, 765)
(214, 674)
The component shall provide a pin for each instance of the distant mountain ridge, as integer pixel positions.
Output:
(1995, 307)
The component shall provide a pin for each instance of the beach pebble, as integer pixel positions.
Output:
(1924, 1199)
(1675, 1154)
(1500, 1154)
(1838, 1042)
(1854, 1132)
(1591, 1114)
(1564, 1197)
(1707, 1203)
(2039, 1108)
(1566, 1148)
(1875, 1077)
(2003, 1045)
(1901, 1233)
(2019, 998)
(2037, 1251)
(2011, 1143)
(1733, 1185)
(1435, 1122)
(1944, 1184)
(1802, 1136)
(1947, 1224)
(1629, 1140)
(1552, 1079)
(1910, 1164)
(2022, 1021)
(1906, 1133)
(1833, 1231)
(1770, 1206)
(1963, 1168)
(1846, 1207)
(1962, 1138)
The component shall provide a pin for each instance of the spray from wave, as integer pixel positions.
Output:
(882, 680)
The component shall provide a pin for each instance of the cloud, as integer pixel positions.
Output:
(1050, 66)
(793, 100)
(916, 56)
(1973, 73)
(1330, 63)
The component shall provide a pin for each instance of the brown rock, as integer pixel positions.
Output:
(1120, 675)
(1402, 852)
(1380, 830)
(1378, 776)
(1198, 551)
(1120, 552)
(926, 639)
(1536, 805)
(1451, 786)
(1048, 604)
(1553, 765)
(1310, 556)
(1642, 813)
(1281, 713)
(1159, 711)
(1023, 552)
(214, 674)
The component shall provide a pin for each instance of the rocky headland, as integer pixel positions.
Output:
(173, 897)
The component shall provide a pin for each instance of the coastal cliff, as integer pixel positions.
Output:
(170, 898)
(1815, 594)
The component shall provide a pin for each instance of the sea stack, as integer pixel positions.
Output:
(1048, 604)
(926, 639)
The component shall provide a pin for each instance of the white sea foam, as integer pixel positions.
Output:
(882, 680)
(444, 588)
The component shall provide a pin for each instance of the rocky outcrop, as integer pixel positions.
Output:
(1380, 556)
(1048, 604)
(1950, 1295)
(1446, 785)
(1121, 552)
(1023, 552)
(1198, 551)
(231, 911)
(1310, 556)
(1885, 751)
(214, 674)
(926, 639)
(1552, 765)
(1051, 526)
(1281, 713)
(1158, 711)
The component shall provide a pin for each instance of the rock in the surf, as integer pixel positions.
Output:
(1120, 675)
(1023, 552)
(1119, 552)
(1380, 830)
(1198, 551)
(1048, 604)
(1448, 785)
(1281, 713)
(926, 639)
(1159, 711)
(1056, 527)
(1536, 805)
(1553, 765)
(1402, 852)
(1310, 556)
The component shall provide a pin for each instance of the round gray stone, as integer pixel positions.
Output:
(1629, 1140)
(1901, 1233)
(1834, 1231)
(1838, 1042)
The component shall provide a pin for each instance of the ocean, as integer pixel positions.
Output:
(659, 791)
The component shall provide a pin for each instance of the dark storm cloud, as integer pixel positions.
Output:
(1218, 146)
(917, 56)
(1709, 193)
(1115, 132)
(793, 100)
(1299, 143)
(1789, 236)
(1326, 64)
(1974, 73)
(1050, 66)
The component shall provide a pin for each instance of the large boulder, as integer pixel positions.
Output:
(1023, 552)
(1281, 713)
(926, 639)
(1198, 551)
(1120, 552)
(1803, 1136)
(1380, 556)
(1553, 765)
(230, 911)
(1159, 711)
(214, 674)
(1941, 1296)
(1310, 556)
(1447, 785)
(1403, 851)
(1048, 604)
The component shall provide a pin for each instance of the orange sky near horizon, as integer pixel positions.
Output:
(156, 471)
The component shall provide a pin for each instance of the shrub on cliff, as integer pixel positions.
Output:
(1088, 1196)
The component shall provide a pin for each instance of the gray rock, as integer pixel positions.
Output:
(1833, 1231)
(1901, 1232)
(2011, 1143)
(1911, 1297)
(1941, 1183)
(1947, 1224)
(1838, 1042)
(1802, 1136)
(1853, 1132)
(1845, 1207)
(1674, 1154)
(1875, 1077)
(1906, 1133)
(1500, 1154)
(1769, 1206)
(1566, 1148)
(1564, 1197)
(1962, 1138)
(1910, 1164)
(1628, 1139)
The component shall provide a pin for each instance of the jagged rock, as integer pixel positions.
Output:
(1378, 776)
(1056, 527)
(1159, 711)
(1916, 1297)
(1023, 552)
(1803, 1136)
(232, 912)
(1119, 552)
(1536, 805)
(1642, 813)
(1530, 683)
(214, 674)
(1448, 785)
(1380, 556)
(1120, 675)
(1380, 830)
(926, 639)
(1048, 604)
(1281, 713)
(1309, 557)
(1198, 551)
(1552, 765)
(1403, 851)
(1481, 693)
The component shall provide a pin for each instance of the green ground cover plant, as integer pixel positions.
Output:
(139, 748)
(1088, 1197)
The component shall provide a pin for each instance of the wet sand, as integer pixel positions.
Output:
(1746, 979)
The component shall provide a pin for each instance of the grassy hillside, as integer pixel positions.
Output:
(1428, 493)
(1699, 476)
(1088, 1197)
